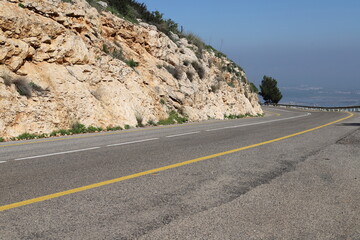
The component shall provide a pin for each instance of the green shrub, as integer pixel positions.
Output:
(92, 129)
(26, 136)
(162, 101)
(231, 84)
(131, 63)
(131, 10)
(199, 69)
(96, 5)
(53, 133)
(228, 68)
(167, 121)
(36, 87)
(118, 54)
(63, 132)
(105, 49)
(178, 118)
(115, 12)
(172, 119)
(43, 135)
(127, 126)
(195, 40)
(254, 89)
(21, 5)
(233, 116)
(151, 123)
(2, 139)
(116, 128)
(78, 128)
(217, 53)
(23, 87)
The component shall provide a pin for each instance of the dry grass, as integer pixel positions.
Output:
(199, 69)
(23, 87)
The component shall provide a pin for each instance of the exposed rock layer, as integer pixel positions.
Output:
(77, 56)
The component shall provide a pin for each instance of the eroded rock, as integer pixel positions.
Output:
(79, 56)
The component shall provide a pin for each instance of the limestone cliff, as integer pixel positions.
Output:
(81, 65)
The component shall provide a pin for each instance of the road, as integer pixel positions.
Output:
(209, 180)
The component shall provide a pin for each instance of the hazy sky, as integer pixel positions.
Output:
(314, 43)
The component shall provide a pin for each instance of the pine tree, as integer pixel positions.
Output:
(269, 90)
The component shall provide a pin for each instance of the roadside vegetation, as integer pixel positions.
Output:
(233, 116)
(76, 128)
(173, 119)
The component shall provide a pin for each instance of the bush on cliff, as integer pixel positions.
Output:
(132, 10)
(199, 69)
(254, 89)
(23, 87)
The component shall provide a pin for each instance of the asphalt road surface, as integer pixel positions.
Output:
(288, 175)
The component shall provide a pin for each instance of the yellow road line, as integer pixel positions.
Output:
(91, 186)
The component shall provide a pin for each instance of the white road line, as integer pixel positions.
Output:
(182, 134)
(250, 124)
(58, 153)
(138, 141)
(2, 161)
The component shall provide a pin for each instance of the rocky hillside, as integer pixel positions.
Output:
(63, 62)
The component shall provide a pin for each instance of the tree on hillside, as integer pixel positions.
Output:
(269, 90)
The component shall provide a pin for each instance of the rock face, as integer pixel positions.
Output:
(76, 59)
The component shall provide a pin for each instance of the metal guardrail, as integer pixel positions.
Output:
(327, 109)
